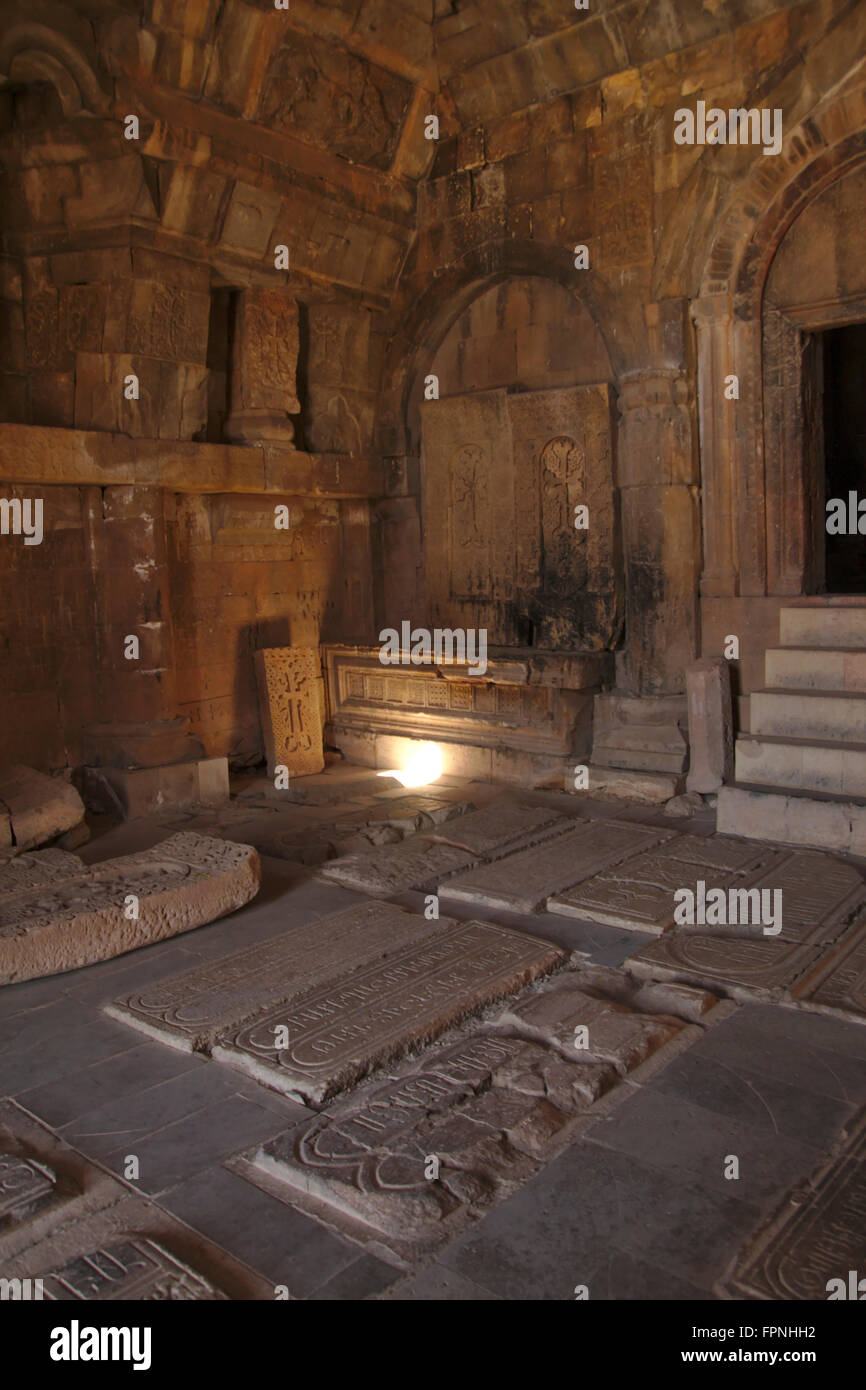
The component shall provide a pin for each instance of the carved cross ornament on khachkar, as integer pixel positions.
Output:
(290, 705)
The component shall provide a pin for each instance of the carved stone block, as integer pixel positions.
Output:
(82, 915)
(290, 704)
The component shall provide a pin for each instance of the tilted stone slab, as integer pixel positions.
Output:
(75, 920)
(418, 863)
(818, 1233)
(190, 1010)
(503, 828)
(39, 807)
(317, 1045)
(740, 966)
(525, 880)
(821, 895)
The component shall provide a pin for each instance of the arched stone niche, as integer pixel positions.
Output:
(817, 281)
(519, 439)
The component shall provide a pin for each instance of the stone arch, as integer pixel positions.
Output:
(753, 520)
(424, 319)
(33, 52)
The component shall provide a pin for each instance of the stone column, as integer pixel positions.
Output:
(711, 739)
(713, 318)
(264, 368)
(658, 483)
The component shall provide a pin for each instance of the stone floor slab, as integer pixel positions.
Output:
(639, 894)
(739, 966)
(182, 883)
(837, 982)
(190, 1010)
(503, 828)
(486, 1110)
(419, 863)
(523, 881)
(819, 894)
(817, 1235)
(319, 1043)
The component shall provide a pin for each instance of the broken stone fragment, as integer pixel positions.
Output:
(37, 807)
(68, 915)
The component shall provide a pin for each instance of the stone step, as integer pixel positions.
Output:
(836, 769)
(812, 626)
(792, 819)
(815, 668)
(809, 714)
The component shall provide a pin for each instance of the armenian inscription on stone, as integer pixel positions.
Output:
(332, 1037)
(135, 1268)
(22, 1182)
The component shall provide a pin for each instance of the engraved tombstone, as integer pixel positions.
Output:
(290, 704)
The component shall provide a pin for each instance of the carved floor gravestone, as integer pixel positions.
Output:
(71, 1225)
(290, 704)
(818, 1234)
(190, 1010)
(330, 1038)
(487, 1109)
(34, 808)
(419, 862)
(76, 915)
(523, 881)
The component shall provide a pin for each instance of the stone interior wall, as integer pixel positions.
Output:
(304, 128)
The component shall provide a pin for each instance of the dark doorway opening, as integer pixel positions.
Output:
(844, 421)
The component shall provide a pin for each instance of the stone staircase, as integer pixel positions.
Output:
(801, 769)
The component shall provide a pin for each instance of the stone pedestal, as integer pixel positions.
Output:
(264, 368)
(708, 690)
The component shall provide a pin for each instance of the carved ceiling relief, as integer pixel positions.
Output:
(341, 102)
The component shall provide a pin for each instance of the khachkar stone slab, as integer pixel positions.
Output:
(817, 1237)
(411, 1159)
(418, 863)
(523, 881)
(88, 915)
(330, 1038)
(38, 807)
(37, 867)
(711, 725)
(742, 967)
(190, 1010)
(503, 828)
(639, 894)
(563, 460)
(289, 681)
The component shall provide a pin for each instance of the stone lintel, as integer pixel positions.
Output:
(38, 454)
